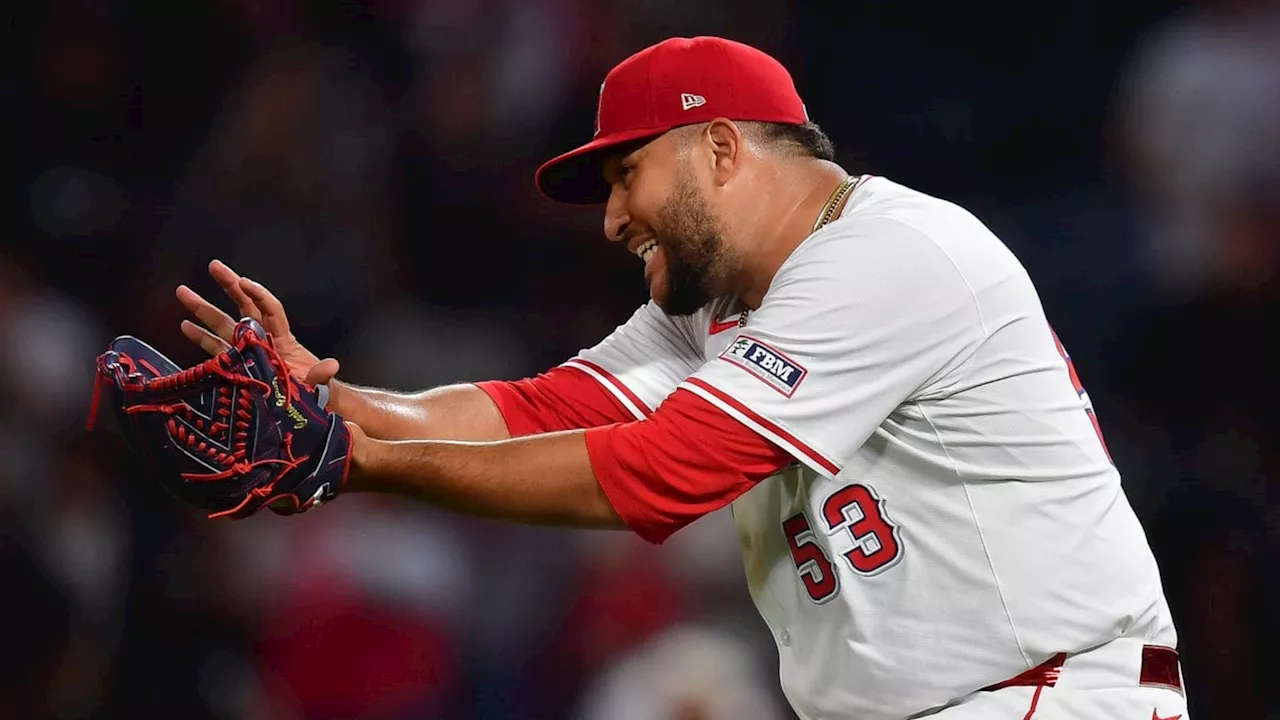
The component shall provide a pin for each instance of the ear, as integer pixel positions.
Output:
(728, 149)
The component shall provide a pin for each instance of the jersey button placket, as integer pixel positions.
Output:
(784, 637)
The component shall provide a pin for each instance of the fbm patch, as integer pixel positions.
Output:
(777, 370)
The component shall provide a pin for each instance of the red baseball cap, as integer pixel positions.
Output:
(679, 81)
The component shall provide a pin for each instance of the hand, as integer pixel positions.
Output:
(255, 301)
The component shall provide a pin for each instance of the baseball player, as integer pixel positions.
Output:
(930, 522)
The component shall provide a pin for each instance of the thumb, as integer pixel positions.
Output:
(322, 372)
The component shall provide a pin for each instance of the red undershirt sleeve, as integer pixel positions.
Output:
(563, 398)
(687, 459)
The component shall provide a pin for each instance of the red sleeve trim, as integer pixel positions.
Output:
(563, 398)
(765, 427)
(633, 403)
(688, 459)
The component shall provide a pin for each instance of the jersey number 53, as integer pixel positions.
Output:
(856, 510)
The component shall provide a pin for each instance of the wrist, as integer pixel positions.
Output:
(345, 402)
(337, 393)
(364, 459)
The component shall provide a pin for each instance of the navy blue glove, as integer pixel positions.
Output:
(231, 434)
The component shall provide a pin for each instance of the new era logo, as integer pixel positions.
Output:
(688, 101)
(775, 369)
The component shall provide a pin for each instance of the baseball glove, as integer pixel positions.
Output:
(231, 434)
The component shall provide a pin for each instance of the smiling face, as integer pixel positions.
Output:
(657, 208)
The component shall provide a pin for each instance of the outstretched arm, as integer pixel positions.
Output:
(540, 479)
(456, 412)
(654, 476)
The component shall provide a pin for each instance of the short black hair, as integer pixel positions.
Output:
(803, 139)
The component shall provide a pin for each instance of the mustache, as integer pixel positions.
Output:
(628, 235)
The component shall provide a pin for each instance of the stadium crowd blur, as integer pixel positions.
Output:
(371, 162)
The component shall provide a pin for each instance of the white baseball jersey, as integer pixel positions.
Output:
(953, 517)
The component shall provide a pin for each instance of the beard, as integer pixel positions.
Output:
(693, 247)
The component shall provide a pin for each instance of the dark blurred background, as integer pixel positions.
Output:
(371, 162)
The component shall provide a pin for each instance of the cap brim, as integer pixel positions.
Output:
(577, 177)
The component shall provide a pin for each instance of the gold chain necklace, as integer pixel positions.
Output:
(837, 195)
(824, 217)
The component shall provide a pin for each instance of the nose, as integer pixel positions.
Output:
(616, 217)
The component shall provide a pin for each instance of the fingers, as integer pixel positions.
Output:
(207, 341)
(273, 318)
(230, 282)
(206, 312)
(252, 298)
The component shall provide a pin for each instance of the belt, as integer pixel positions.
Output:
(1159, 668)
